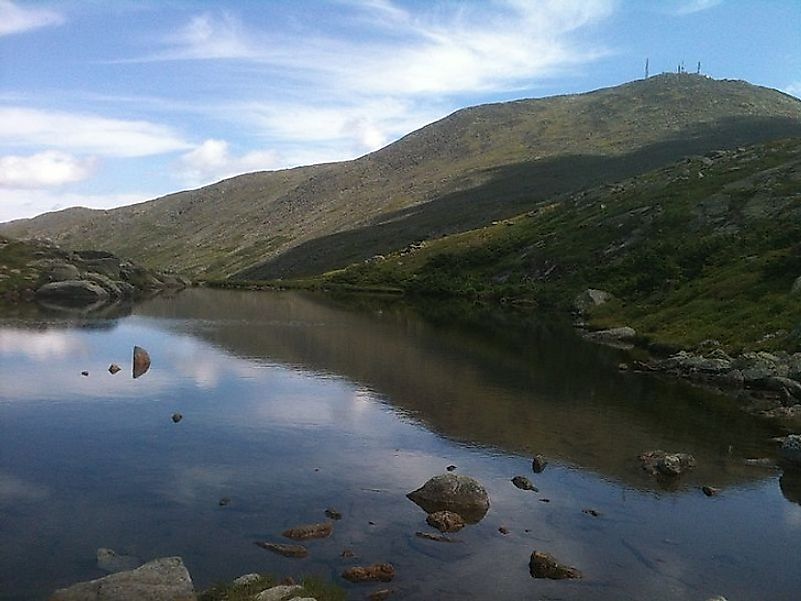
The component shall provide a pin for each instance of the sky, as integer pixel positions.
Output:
(106, 103)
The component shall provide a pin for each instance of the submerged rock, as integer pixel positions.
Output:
(176, 417)
(333, 514)
(440, 538)
(543, 565)
(109, 561)
(381, 572)
(321, 530)
(660, 463)
(164, 579)
(453, 492)
(297, 551)
(445, 521)
(141, 361)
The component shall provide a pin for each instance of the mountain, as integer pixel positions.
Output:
(475, 166)
(706, 248)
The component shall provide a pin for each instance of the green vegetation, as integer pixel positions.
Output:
(312, 587)
(16, 270)
(707, 248)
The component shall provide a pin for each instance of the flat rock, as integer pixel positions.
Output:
(321, 530)
(279, 593)
(378, 572)
(164, 579)
(296, 551)
(453, 492)
(543, 565)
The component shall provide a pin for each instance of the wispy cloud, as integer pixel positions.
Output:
(25, 127)
(16, 19)
(212, 161)
(47, 169)
(689, 7)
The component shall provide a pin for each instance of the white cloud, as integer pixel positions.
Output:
(212, 161)
(16, 19)
(689, 7)
(93, 134)
(46, 169)
(17, 203)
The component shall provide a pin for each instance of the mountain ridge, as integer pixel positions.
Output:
(476, 165)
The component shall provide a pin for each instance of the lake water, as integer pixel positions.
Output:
(295, 403)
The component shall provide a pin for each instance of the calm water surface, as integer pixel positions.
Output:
(294, 403)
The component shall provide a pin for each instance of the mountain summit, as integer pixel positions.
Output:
(477, 165)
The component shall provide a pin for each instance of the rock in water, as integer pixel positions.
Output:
(321, 530)
(109, 561)
(453, 492)
(791, 449)
(710, 491)
(445, 521)
(660, 463)
(524, 483)
(538, 463)
(280, 592)
(543, 565)
(141, 361)
(176, 417)
(381, 572)
(298, 551)
(113, 368)
(333, 514)
(164, 579)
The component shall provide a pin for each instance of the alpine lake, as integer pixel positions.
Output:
(293, 403)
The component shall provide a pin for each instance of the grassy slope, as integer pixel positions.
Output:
(692, 251)
(479, 164)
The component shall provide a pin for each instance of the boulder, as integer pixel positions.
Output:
(791, 449)
(63, 271)
(141, 361)
(445, 521)
(591, 298)
(164, 579)
(543, 565)
(246, 579)
(538, 463)
(72, 292)
(453, 492)
(760, 366)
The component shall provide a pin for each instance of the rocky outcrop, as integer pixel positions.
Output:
(453, 492)
(165, 579)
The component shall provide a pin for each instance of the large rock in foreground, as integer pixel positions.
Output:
(73, 292)
(453, 492)
(164, 579)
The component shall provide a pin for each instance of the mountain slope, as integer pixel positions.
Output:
(475, 166)
(709, 247)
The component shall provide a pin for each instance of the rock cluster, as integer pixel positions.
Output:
(453, 492)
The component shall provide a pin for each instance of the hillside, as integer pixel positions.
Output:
(477, 165)
(706, 248)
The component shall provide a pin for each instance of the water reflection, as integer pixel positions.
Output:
(292, 404)
(524, 386)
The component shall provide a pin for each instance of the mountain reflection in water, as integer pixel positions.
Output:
(292, 403)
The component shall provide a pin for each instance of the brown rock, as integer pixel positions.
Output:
(297, 551)
(380, 595)
(445, 521)
(381, 572)
(114, 368)
(524, 483)
(543, 565)
(333, 514)
(710, 491)
(321, 530)
(538, 463)
(503, 530)
(453, 492)
(660, 463)
(141, 361)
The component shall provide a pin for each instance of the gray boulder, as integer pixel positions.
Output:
(164, 579)
(453, 492)
(280, 592)
(79, 292)
(590, 299)
(761, 365)
(63, 271)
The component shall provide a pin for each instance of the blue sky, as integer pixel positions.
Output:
(104, 103)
